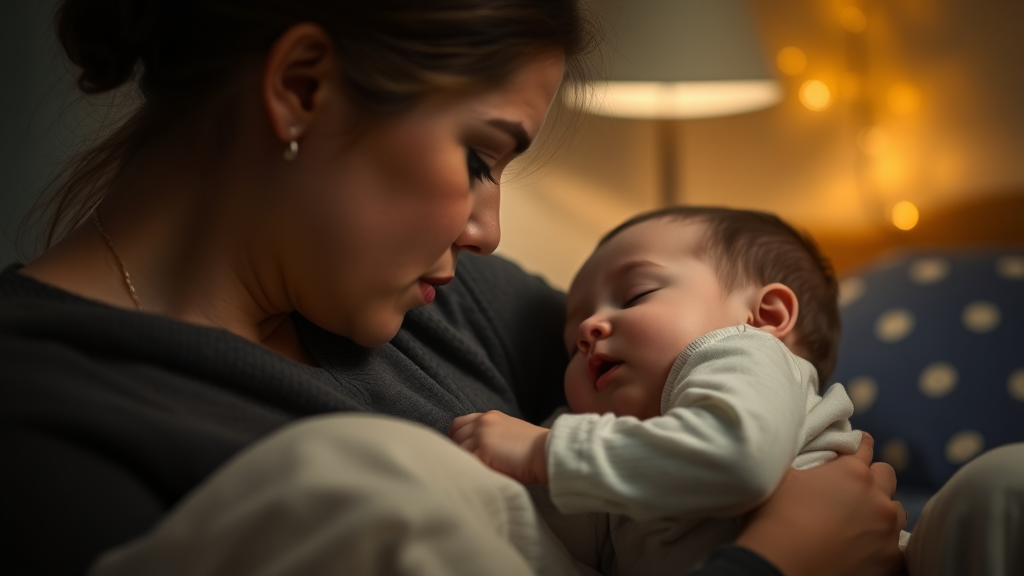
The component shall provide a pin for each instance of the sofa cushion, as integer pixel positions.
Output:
(932, 354)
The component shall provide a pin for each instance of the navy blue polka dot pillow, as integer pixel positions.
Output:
(932, 355)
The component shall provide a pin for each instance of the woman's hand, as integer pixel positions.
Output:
(837, 519)
(509, 445)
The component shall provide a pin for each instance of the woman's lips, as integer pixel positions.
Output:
(427, 286)
(428, 292)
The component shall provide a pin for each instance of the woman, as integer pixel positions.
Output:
(301, 177)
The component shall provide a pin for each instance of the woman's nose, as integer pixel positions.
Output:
(483, 231)
(591, 330)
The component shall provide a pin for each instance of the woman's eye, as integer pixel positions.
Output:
(478, 169)
(633, 300)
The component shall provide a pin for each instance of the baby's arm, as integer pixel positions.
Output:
(731, 426)
(509, 445)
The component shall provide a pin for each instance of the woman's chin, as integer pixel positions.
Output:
(376, 332)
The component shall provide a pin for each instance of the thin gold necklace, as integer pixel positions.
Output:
(124, 271)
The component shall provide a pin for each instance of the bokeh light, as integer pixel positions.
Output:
(853, 20)
(905, 215)
(903, 98)
(850, 86)
(890, 170)
(791, 60)
(872, 141)
(815, 95)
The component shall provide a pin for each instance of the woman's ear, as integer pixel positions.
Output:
(775, 310)
(299, 72)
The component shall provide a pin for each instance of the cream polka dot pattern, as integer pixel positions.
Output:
(932, 357)
(1010, 267)
(896, 453)
(850, 290)
(937, 379)
(1015, 386)
(963, 446)
(981, 317)
(927, 271)
(894, 325)
(862, 391)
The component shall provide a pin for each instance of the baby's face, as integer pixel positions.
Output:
(633, 307)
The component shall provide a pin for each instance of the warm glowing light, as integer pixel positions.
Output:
(681, 99)
(853, 20)
(903, 98)
(872, 141)
(947, 168)
(849, 86)
(815, 95)
(905, 215)
(890, 170)
(791, 60)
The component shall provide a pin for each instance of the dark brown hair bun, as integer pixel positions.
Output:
(105, 38)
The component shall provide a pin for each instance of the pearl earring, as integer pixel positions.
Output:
(292, 151)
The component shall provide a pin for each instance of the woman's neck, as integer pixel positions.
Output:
(177, 234)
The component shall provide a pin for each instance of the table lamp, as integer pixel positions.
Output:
(668, 60)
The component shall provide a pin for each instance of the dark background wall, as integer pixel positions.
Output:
(42, 117)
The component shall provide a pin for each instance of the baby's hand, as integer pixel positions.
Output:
(506, 444)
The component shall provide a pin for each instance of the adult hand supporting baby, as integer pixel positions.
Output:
(836, 519)
(506, 444)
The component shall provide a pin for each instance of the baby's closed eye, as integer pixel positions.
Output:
(634, 297)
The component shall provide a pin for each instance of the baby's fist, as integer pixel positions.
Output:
(509, 445)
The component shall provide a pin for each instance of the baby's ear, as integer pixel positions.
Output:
(775, 310)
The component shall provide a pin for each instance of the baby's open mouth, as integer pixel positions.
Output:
(604, 367)
(599, 366)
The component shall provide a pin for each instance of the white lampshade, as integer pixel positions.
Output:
(680, 59)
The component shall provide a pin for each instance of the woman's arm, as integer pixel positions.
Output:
(838, 519)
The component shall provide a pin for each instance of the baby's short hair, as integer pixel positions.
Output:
(747, 246)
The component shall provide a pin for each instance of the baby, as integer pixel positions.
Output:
(698, 337)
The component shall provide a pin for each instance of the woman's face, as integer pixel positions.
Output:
(371, 223)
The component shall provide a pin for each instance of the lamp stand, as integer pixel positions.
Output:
(669, 147)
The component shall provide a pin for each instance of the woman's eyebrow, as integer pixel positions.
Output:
(515, 130)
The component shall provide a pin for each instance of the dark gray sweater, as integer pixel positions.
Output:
(108, 417)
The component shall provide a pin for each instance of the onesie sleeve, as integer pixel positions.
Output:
(732, 415)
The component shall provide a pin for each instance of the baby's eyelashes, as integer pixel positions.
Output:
(637, 297)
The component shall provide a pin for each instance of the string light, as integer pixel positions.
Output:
(815, 95)
(903, 98)
(791, 60)
(905, 215)
(853, 20)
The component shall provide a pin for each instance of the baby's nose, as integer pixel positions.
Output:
(591, 330)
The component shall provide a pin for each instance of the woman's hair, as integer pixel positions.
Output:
(749, 247)
(183, 53)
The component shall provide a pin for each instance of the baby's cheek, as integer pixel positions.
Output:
(579, 392)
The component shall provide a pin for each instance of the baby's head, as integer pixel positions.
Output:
(664, 278)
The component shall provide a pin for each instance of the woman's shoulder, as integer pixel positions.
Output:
(58, 351)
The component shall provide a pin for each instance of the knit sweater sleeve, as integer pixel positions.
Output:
(732, 415)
